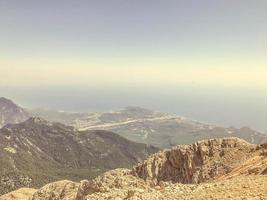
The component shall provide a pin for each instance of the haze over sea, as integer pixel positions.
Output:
(222, 106)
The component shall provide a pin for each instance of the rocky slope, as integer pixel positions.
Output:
(241, 187)
(36, 152)
(150, 127)
(199, 162)
(20, 194)
(227, 168)
(11, 113)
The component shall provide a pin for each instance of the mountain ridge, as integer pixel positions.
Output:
(134, 123)
(208, 169)
(32, 152)
(156, 128)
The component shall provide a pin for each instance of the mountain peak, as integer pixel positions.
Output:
(11, 113)
(37, 120)
(137, 109)
(4, 102)
(3, 99)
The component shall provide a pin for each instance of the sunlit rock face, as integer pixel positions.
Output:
(199, 162)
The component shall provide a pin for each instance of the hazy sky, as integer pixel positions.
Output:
(203, 59)
(114, 42)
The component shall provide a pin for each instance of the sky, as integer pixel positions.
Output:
(204, 46)
(128, 42)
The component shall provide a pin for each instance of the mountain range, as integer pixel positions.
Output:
(150, 127)
(134, 123)
(36, 152)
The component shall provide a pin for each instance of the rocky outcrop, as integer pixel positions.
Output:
(63, 190)
(196, 163)
(109, 182)
(241, 187)
(119, 178)
(20, 194)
